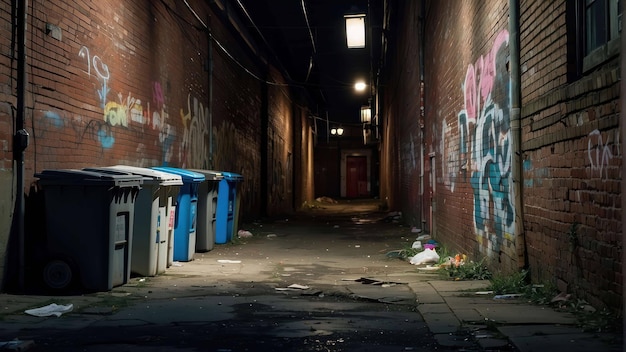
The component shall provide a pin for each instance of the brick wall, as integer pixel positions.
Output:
(572, 161)
(570, 143)
(467, 128)
(118, 82)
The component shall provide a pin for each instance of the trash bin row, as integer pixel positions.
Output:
(104, 223)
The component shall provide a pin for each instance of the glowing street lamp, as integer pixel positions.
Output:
(355, 30)
(336, 131)
(366, 114)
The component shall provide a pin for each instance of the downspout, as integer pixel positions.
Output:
(421, 122)
(623, 132)
(516, 131)
(210, 63)
(20, 139)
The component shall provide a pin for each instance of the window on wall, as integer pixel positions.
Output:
(594, 28)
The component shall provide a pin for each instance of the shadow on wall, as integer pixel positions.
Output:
(6, 212)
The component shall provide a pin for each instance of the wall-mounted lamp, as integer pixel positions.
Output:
(366, 114)
(336, 131)
(355, 30)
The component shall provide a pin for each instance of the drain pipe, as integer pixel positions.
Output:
(516, 131)
(623, 136)
(210, 68)
(422, 37)
(20, 139)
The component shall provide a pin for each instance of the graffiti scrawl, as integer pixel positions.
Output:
(485, 145)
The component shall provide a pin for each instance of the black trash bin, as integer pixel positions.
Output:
(89, 221)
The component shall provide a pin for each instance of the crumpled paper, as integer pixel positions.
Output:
(51, 309)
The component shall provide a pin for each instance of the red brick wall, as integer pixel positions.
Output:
(570, 143)
(127, 83)
(467, 128)
(572, 162)
(400, 163)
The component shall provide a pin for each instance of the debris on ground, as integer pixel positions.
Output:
(228, 261)
(429, 255)
(293, 287)
(51, 309)
(326, 200)
(368, 281)
(244, 234)
(508, 296)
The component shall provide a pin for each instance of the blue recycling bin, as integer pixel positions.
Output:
(186, 213)
(89, 219)
(207, 209)
(227, 219)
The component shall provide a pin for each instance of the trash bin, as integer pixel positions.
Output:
(207, 209)
(227, 207)
(152, 218)
(184, 244)
(89, 220)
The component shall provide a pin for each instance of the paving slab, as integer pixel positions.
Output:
(425, 293)
(440, 318)
(456, 286)
(524, 314)
(528, 338)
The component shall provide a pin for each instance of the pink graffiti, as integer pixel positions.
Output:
(157, 95)
(480, 77)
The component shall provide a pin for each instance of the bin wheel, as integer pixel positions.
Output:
(58, 274)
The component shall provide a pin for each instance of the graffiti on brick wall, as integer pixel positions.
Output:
(600, 154)
(102, 72)
(81, 128)
(278, 183)
(128, 112)
(485, 146)
(449, 147)
(194, 147)
(160, 118)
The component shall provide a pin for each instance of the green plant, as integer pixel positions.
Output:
(506, 284)
(541, 294)
(469, 271)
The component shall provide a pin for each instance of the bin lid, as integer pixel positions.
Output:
(162, 178)
(209, 175)
(75, 177)
(186, 175)
(231, 176)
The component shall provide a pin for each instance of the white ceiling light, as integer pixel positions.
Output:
(355, 30)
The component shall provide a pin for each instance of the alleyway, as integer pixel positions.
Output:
(315, 281)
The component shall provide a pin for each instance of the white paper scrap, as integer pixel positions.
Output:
(228, 261)
(51, 309)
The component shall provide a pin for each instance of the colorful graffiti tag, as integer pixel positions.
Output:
(485, 145)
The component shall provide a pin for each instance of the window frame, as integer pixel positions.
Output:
(611, 47)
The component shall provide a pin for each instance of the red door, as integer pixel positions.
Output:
(356, 178)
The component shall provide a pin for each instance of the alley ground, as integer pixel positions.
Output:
(320, 280)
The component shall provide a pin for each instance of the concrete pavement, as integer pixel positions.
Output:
(336, 257)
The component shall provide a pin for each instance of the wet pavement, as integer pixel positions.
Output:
(315, 281)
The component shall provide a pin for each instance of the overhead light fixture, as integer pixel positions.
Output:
(360, 86)
(366, 114)
(336, 131)
(355, 30)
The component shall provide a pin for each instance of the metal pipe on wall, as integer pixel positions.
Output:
(623, 190)
(514, 47)
(20, 139)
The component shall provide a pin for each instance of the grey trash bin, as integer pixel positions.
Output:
(89, 221)
(153, 213)
(207, 209)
